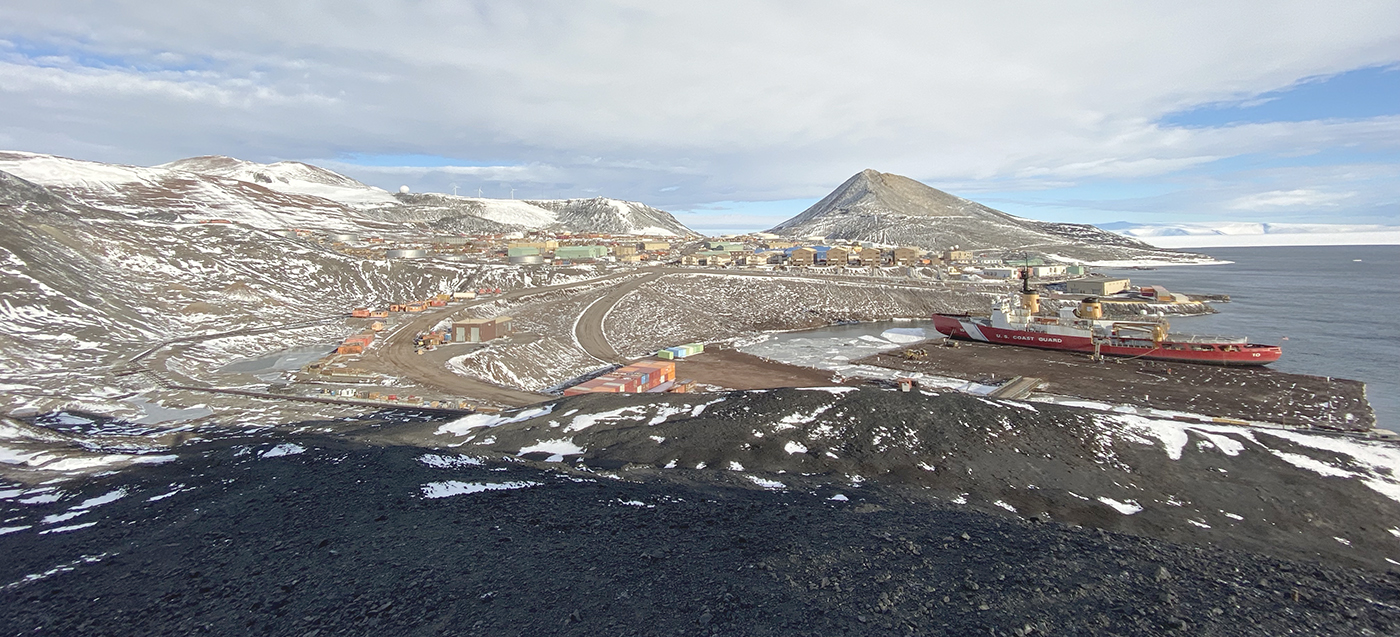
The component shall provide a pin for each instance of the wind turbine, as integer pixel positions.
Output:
(478, 193)
(454, 190)
(512, 193)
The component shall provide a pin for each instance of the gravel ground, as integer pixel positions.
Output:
(323, 536)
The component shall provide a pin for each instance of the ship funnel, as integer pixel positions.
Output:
(1090, 308)
(1030, 302)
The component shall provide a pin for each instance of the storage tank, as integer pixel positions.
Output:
(343, 237)
(459, 258)
(526, 259)
(286, 234)
(406, 253)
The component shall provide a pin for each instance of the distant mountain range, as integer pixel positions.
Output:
(891, 209)
(293, 194)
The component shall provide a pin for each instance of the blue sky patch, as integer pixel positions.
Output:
(1357, 94)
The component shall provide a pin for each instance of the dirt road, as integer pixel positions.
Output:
(589, 328)
(397, 355)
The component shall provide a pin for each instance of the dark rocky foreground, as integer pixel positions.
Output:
(340, 539)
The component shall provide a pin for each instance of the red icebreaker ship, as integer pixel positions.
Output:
(1015, 321)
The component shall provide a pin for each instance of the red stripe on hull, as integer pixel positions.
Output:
(1246, 355)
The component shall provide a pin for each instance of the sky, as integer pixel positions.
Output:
(737, 115)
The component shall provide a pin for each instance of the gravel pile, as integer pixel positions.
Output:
(321, 536)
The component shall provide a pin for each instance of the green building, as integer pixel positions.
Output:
(580, 252)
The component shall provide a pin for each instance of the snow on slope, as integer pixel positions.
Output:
(290, 177)
(598, 214)
(1241, 234)
(292, 194)
(162, 193)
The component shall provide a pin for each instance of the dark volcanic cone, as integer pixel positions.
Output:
(891, 209)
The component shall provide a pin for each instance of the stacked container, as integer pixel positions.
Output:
(681, 351)
(635, 378)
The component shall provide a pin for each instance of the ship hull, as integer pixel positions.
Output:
(1233, 355)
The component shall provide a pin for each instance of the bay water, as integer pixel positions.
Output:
(1334, 309)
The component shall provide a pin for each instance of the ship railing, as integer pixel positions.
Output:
(1203, 338)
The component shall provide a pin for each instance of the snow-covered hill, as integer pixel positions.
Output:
(165, 193)
(292, 177)
(293, 194)
(891, 209)
(599, 214)
(1241, 233)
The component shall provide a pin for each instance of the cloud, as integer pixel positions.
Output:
(682, 103)
(1289, 199)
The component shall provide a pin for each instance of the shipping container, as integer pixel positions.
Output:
(360, 312)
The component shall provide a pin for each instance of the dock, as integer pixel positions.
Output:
(1256, 394)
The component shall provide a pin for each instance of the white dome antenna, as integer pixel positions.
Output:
(403, 189)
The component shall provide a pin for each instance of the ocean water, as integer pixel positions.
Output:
(1334, 309)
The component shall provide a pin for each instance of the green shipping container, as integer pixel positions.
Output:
(666, 354)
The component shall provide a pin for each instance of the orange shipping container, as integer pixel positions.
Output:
(350, 349)
(360, 312)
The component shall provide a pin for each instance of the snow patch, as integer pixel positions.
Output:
(767, 484)
(285, 449)
(434, 490)
(449, 462)
(1128, 507)
(558, 449)
(465, 424)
